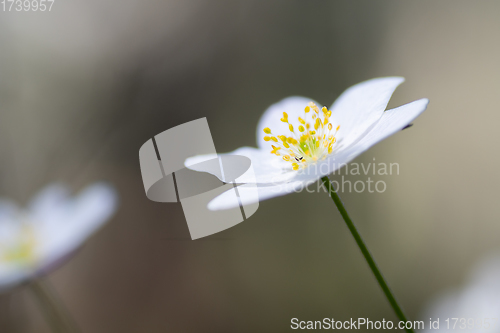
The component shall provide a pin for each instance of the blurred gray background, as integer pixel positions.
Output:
(84, 86)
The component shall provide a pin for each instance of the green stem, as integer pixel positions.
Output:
(53, 310)
(362, 246)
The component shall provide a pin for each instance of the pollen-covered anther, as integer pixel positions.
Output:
(314, 107)
(275, 150)
(285, 117)
(317, 123)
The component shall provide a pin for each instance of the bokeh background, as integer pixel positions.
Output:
(84, 86)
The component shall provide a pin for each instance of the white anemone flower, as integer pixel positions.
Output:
(475, 307)
(36, 239)
(299, 142)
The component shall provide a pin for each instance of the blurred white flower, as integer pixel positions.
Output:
(477, 305)
(309, 142)
(37, 238)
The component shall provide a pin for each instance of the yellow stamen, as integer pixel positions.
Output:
(308, 146)
(316, 125)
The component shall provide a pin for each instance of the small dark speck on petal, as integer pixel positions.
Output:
(407, 126)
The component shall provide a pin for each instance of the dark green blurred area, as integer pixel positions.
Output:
(84, 86)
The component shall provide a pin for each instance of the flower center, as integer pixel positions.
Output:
(23, 251)
(312, 142)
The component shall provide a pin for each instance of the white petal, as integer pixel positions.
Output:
(268, 168)
(77, 221)
(264, 192)
(294, 106)
(93, 206)
(195, 162)
(392, 121)
(47, 201)
(361, 106)
(12, 275)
